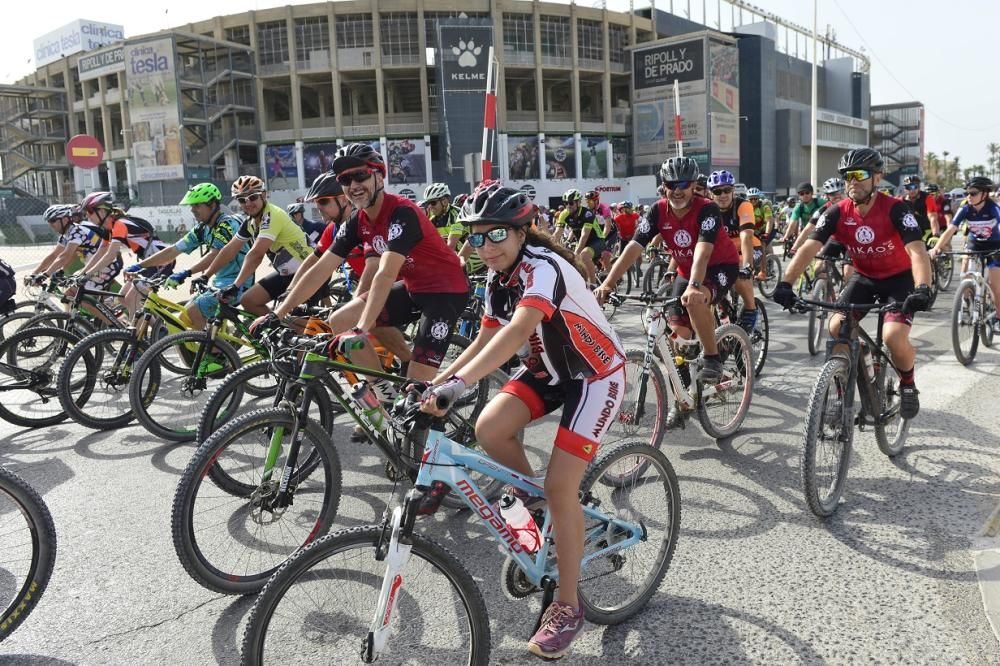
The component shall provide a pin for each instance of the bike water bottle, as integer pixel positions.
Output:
(370, 404)
(520, 522)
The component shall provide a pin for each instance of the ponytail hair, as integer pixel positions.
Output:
(534, 236)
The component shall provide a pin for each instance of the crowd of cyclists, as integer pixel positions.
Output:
(542, 277)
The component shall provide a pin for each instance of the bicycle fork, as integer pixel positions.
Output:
(396, 556)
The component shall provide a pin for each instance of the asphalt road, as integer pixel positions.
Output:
(755, 578)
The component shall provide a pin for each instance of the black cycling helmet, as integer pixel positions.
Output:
(358, 155)
(980, 183)
(911, 180)
(861, 158)
(703, 181)
(679, 168)
(805, 187)
(325, 185)
(496, 204)
(932, 188)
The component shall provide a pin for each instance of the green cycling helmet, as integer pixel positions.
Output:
(200, 194)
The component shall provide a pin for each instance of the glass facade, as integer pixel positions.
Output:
(354, 31)
(272, 43)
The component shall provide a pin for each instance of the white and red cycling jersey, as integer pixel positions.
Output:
(574, 340)
(875, 242)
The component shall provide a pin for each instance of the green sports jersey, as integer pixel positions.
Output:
(447, 223)
(289, 247)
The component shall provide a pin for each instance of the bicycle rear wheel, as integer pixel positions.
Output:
(890, 428)
(760, 337)
(772, 272)
(615, 587)
(946, 271)
(93, 381)
(986, 332)
(655, 277)
(964, 327)
(318, 608)
(231, 397)
(226, 533)
(828, 436)
(630, 425)
(28, 545)
(169, 404)
(722, 411)
(29, 360)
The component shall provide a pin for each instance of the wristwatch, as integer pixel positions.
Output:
(695, 283)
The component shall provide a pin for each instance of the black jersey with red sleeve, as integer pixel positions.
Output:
(875, 242)
(431, 267)
(701, 223)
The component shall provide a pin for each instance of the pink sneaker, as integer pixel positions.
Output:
(560, 625)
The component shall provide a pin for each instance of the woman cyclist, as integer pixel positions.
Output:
(538, 305)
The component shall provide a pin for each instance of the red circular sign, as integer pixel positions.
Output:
(84, 151)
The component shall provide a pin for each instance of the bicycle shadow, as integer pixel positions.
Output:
(226, 639)
(42, 475)
(34, 660)
(108, 445)
(38, 441)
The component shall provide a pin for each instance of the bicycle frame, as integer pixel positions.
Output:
(447, 461)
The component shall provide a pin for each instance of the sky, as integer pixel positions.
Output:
(936, 53)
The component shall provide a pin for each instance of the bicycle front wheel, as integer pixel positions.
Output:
(772, 273)
(890, 428)
(817, 317)
(169, 404)
(964, 327)
(723, 408)
(228, 531)
(319, 607)
(643, 412)
(29, 365)
(828, 435)
(945, 271)
(613, 588)
(28, 545)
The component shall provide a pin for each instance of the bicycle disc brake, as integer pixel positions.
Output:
(262, 508)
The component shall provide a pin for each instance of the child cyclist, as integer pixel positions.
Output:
(538, 306)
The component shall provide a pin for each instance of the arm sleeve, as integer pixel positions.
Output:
(826, 225)
(745, 215)
(960, 216)
(188, 242)
(325, 239)
(932, 206)
(404, 230)
(709, 223)
(906, 224)
(647, 227)
(540, 292)
(347, 238)
(244, 233)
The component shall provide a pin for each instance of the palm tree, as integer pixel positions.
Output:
(932, 167)
(994, 150)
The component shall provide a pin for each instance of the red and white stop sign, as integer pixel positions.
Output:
(84, 151)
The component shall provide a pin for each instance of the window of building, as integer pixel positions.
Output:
(589, 40)
(312, 33)
(555, 36)
(518, 33)
(272, 43)
(239, 34)
(617, 41)
(520, 93)
(354, 31)
(277, 104)
(402, 94)
(399, 38)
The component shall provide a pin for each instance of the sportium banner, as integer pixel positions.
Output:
(463, 54)
(151, 86)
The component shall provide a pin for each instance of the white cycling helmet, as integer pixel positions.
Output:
(753, 193)
(435, 191)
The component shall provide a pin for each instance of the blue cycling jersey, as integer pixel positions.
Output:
(984, 224)
(216, 238)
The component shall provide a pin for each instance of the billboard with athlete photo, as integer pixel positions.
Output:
(560, 157)
(522, 157)
(406, 159)
(317, 158)
(594, 153)
(151, 89)
(282, 172)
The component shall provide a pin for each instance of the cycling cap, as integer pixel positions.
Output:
(436, 191)
(720, 179)
(200, 194)
(861, 158)
(247, 185)
(325, 185)
(679, 168)
(358, 155)
(497, 204)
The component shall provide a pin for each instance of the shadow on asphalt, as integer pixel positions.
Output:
(226, 638)
(33, 660)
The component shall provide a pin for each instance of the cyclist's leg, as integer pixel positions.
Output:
(392, 338)
(859, 289)
(399, 310)
(586, 257)
(503, 418)
(440, 312)
(269, 288)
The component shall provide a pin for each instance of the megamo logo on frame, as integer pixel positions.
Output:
(80, 35)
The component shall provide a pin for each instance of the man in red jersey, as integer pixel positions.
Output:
(884, 240)
(706, 269)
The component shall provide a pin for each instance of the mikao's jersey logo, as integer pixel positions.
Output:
(395, 230)
(851, 221)
(864, 235)
(722, 279)
(379, 244)
(708, 224)
(910, 222)
(643, 226)
(682, 238)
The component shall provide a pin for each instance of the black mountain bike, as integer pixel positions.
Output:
(831, 415)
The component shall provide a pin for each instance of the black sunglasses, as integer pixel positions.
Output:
(496, 235)
(677, 184)
(722, 190)
(326, 201)
(250, 197)
(356, 177)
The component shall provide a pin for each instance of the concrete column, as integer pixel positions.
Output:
(425, 103)
(574, 77)
(300, 164)
(112, 175)
(539, 75)
(611, 160)
(382, 144)
(296, 96)
(578, 142)
(379, 78)
(542, 175)
(503, 157)
(427, 156)
(338, 110)
(133, 187)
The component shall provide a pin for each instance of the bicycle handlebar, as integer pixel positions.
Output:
(805, 304)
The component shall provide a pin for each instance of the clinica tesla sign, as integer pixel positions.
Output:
(80, 35)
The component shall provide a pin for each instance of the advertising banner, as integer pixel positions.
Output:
(282, 172)
(100, 63)
(560, 157)
(80, 35)
(594, 153)
(317, 158)
(406, 159)
(653, 127)
(620, 157)
(152, 94)
(522, 158)
(463, 54)
(725, 100)
(655, 68)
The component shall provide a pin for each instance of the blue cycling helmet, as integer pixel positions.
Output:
(720, 179)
